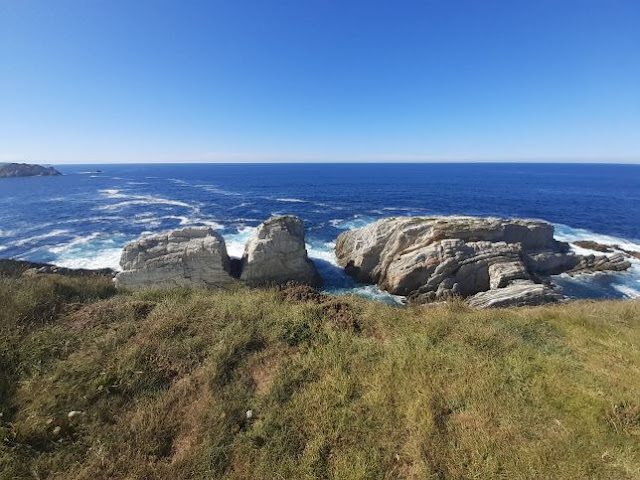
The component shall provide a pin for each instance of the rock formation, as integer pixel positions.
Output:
(276, 254)
(191, 256)
(428, 259)
(14, 268)
(25, 170)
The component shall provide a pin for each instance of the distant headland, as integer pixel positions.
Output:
(26, 170)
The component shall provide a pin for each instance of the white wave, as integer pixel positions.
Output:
(79, 240)
(243, 204)
(110, 193)
(291, 200)
(569, 234)
(137, 183)
(627, 291)
(217, 190)
(97, 250)
(370, 292)
(236, 241)
(178, 181)
(130, 200)
(357, 221)
(105, 258)
(8, 233)
(322, 251)
(37, 238)
(144, 200)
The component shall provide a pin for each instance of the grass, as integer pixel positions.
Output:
(338, 387)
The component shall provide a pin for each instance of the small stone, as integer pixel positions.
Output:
(73, 414)
(49, 421)
(249, 414)
(56, 431)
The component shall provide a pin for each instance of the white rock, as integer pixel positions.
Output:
(276, 254)
(73, 414)
(190, 256)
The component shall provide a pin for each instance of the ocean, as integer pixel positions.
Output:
(83, 218)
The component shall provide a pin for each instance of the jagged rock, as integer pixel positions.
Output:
(599, 247)
(190, 256)
(276, 254)
(601, 263)
(428, 259)
(503, 273)
(518, 293)
(591, 245)
(550, 262)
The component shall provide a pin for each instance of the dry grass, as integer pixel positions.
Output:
(339, 388)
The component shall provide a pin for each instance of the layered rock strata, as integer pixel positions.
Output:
(429, 259)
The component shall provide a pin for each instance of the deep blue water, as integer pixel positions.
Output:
(83, 219)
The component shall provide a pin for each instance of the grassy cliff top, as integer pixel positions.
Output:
(161, 383)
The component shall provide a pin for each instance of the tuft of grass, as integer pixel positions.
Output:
(336, 387)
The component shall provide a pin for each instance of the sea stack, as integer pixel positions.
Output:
(276, 254)
(190, 256)
(428, 259)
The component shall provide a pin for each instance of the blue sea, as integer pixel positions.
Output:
(83, 218)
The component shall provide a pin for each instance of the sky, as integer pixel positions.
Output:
(106, 81)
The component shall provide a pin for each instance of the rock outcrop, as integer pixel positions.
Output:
(14, 268)
(25, 170)
(428, 259)
(190, 256)
(276, 254)
(517, 294)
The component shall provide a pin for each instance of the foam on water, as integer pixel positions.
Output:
(599, 285)
(357, 221)
(291, 200)
(37, 238)
(236, 240)
(97, 250)
(132, 200)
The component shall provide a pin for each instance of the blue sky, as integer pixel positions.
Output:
(317, 80)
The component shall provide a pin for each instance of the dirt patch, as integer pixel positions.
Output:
(292, 292)
(81, 317)
(267, 367)
(341, 314)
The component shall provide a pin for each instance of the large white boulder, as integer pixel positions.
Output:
(190, 256)
(276, 254)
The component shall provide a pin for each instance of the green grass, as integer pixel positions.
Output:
(339, 387)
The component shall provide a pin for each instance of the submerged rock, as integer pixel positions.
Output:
(428, 259)
(276, 254)
(190, 256)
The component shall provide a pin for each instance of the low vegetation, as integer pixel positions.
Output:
(280, 384)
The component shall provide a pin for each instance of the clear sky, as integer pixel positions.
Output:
(319, 80)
